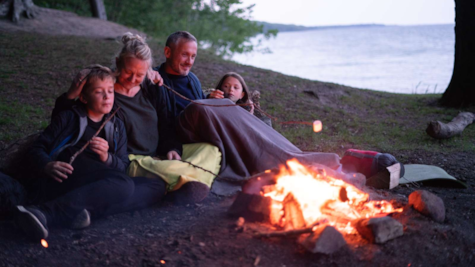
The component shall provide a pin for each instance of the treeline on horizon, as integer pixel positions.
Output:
(292, 27)
(223, 26)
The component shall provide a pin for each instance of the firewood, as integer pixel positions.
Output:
(291, 233)
(255, 182)
(440, 130)
(293, 213)
(252, 207)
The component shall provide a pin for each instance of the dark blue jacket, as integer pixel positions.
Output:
(195, 86)
(66, 129)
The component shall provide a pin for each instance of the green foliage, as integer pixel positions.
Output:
(222, 26)
(80, 7)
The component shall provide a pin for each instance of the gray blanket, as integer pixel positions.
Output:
(247, 144)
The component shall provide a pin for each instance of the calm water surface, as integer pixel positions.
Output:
(399, 59)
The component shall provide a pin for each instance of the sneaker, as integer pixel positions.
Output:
(82, 220)
(189, 193)
(33, 222)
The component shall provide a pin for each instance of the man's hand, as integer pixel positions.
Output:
(58, 170)
(216, 93)
(155, 77)
(101, 147)
(173, 155)
(78, 83)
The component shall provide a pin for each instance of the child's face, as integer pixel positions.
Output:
(232, 89)
(99, 97)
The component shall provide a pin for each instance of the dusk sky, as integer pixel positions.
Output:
(343, 12)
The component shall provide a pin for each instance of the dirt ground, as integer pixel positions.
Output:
(203, 234)
(57, 22)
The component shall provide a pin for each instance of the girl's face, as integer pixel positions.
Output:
(232, 89)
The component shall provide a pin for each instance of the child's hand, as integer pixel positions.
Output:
(101, 147)
(58, 170)
(216, 94)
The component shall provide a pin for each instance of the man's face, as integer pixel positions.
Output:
(99, 97)
(180, 57)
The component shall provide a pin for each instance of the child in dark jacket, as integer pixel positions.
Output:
(96, 180)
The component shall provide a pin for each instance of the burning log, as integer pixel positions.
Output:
(440, 130)
(291, 233)
(338, 215)
(325, 239)
(255, 183)
(293, 216)
(255, 208)
(379, 230)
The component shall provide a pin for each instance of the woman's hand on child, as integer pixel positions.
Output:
(216, 93)
(101, 147)
(78, 83)
(58, 170)
(155, 77)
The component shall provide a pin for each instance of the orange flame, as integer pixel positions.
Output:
(320, 197)
(44, 243)
(162, 261)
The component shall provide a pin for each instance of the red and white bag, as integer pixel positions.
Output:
(373, 164)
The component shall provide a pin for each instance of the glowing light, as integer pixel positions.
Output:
(162, 261)
(44, 243)
(319, 196)
(267, 171)
(317, 126)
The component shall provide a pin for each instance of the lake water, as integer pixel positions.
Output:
(399, 59)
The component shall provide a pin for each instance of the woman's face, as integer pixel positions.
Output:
(133, 72)
(232, 89)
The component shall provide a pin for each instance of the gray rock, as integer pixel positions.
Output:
(379, 230)
(428, 204)
(325, 239)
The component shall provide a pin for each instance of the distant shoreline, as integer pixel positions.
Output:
(292, 27)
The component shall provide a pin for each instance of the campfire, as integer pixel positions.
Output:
(297, 199)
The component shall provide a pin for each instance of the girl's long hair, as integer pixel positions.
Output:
(245, 89)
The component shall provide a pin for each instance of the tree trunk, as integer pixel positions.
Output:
(17, 8)
(98, 9)
(461, 90)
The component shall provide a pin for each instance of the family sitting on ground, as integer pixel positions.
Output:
(157, 145)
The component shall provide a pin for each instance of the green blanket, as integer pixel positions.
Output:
(422, 173)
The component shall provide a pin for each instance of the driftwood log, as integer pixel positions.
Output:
(440, 130)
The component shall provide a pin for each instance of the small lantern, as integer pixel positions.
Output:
(317, 126)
